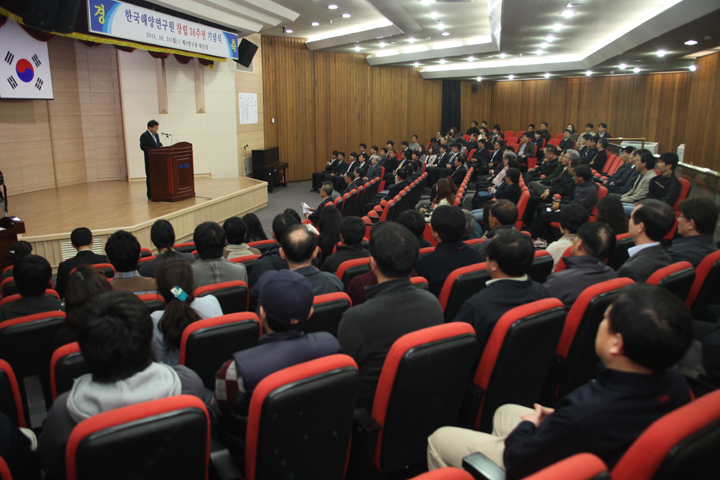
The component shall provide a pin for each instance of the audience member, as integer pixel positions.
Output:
(502, 216)
(16, 252)
(212, 267)
(644, 333)
(586, 265)
(367, 331)
(255, 232)
(311, 228)
(403, 175)
(286, 300)
(352, 232)
(665, 186)
(415, 222)
(162, 235)
(598, 161)
(567, 142)
(448, 227)
(83, 284)
(174, 277)
(610, 211)
(649, 223)
(526, 149)
(271, 259)
(572, 217)
(115, 335)
(82, 241)
(547, 170)
(623, 179)
(123, 252)
(329, 226)
(326, 192)
(319, 177)
(509, 258)
(236, 234)
(445, 195)
(644, 165)
(32, 274)
(696, 226)
(602, 131)
(298, 248)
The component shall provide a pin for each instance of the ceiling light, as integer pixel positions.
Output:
(539, 51)
(622, 66)
(412, 40)
(479, 79)
(691, 42)
(544, 45)
(289, 30)
(315, 24)
(332, 7)
(503, 55)
(357, 48)
(692, 68)
(346, 15)
(442, 61)
(636, 70)
(568, 13)
(471, 59)
(417, 64)
(433, 15)
(440, 25)
(550, 38)
(426, 2)
(511, 76)
(547, 75)
(589, 72)
(660, 53)
(382, 44)
(445, 34)
(557, 27)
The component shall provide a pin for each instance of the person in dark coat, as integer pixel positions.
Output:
(82, 241)
(352, 231)
(696, 226)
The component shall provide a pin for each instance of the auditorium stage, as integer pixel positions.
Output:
(104, 207)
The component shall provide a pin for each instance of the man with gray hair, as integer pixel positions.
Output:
(559, 185)
(326, 192)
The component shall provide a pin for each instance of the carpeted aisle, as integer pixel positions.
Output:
(287, 197)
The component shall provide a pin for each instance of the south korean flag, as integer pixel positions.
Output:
(24, 66)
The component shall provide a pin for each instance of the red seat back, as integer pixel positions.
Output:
(677, 278)
(684, 191)
(460, 285)
(17, 296)
(521, 205)
(66, 365)
(541, 267)
(706, 283)
(447, 473)
(561, 264)
(233, 295)
(350, 269)
(328, 310)
(583, 466)
(10, 400)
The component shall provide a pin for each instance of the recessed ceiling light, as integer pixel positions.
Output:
(412, 40)
(568, 13)
(691, 42)
(289, 30)
(346, 15)
(426, 2)
(503, 55)
(544, 45)
(550, 38)
(440, 25)
(539, 51)
(557, 27)
(433, 15)
(589, 72)
(315, 24)
(417, 64)
(445, 34)
(511, 76)
(382, 44)
(636, 70)
(332, 7)
(357, 48)
(660, 53)
(547, 75)
(479, 79)
(442, 61)
(622, 66)
(692, 68)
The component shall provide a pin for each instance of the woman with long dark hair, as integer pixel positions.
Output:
(329, 225)
(611, 212)
(255, 231)
(174, 276)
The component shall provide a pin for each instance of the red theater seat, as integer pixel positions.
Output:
(233, 296)
(561, 264)
(541, 267)
(66, 365)
(12, 298)
(620, 253)
(583, 466)
(248, 260)
(328, 310)
(460, 285)
(10, 400)
(350, 269)
(153, 301)
(447, 473)
(706, 284)
(677, 278)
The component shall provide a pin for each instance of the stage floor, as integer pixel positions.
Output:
(104, 207)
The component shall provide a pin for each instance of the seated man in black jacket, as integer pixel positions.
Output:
(352, 231)
(32, 275)
(561, 185)
(649, 223)
(598, 161)
(665, 187)
(509, 258)
(458, 174)
(624, 177)
(403, 175)
(644, 333)
(696, 226)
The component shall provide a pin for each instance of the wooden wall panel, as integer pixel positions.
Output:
(702, 142)
(329, 101)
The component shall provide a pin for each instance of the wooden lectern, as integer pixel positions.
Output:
(172, 176)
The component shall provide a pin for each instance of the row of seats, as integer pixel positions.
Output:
(391, 209)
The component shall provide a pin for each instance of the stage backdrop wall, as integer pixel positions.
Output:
(205, 116)
(75, 138)
(333, 101)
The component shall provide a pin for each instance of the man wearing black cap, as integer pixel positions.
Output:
(286, 299)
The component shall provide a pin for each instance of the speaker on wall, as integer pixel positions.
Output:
(51, 15)
(475, 87)
(246, 52)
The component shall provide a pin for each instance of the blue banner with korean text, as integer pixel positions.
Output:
(124, 20)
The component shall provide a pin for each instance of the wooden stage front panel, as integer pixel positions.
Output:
(105, 207)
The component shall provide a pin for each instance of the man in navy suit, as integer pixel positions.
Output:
(326, 194)
(149, 140)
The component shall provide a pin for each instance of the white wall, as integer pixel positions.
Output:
(213, 134)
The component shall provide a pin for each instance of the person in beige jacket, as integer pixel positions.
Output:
(644, 165)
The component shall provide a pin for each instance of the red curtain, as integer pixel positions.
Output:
(207, 63)
(124, 49)
(183, 59)
(3, 19)
(158, 54)
(89, 44)
(38, 35)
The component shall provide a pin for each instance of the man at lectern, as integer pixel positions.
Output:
(148, 140)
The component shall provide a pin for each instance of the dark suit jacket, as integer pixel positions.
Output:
(391, 165)
(314, 217)
(83, 257)
(509, 192)
(566, 144)
(374, 171)
(598, 162)
(459, 175)
(482, 156)
(349, 187)
(397, 188)
(363, 169)
(339, 168)
(529, 150)
(330, 168)
(644, 263)
(147, 143)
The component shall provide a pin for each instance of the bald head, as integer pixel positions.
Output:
(298, 246)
